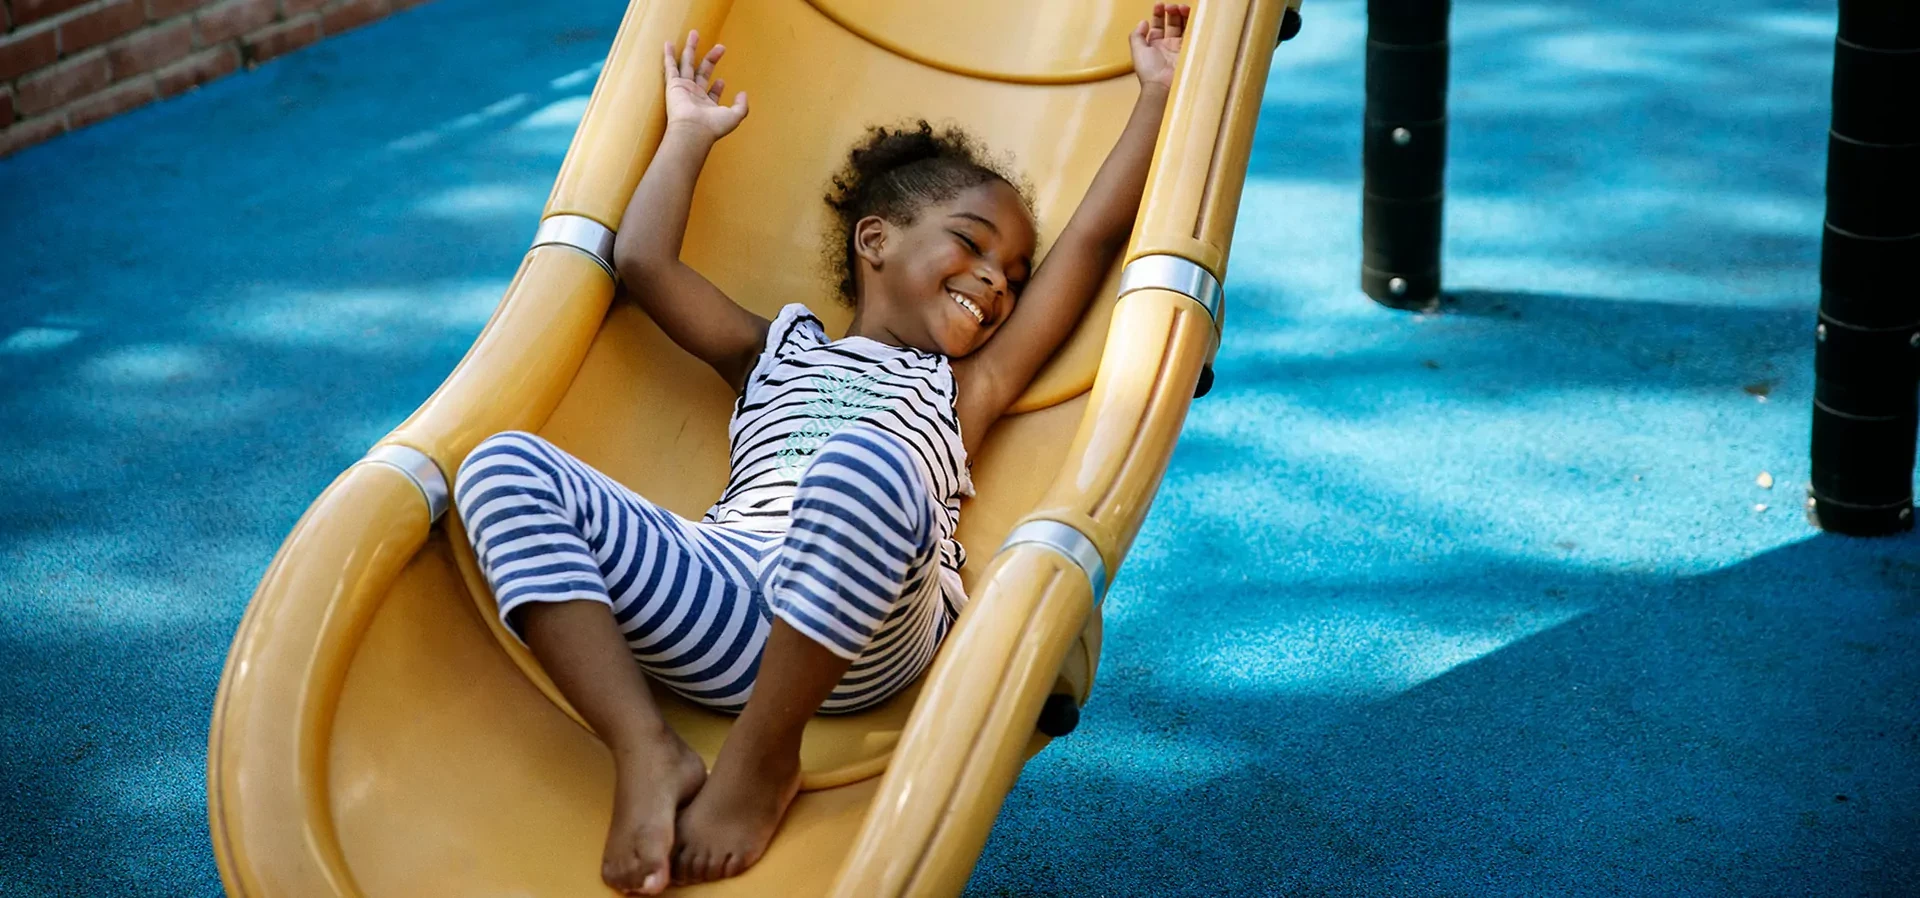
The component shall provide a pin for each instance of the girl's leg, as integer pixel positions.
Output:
(551, 533)
(655, 773)
(857, 571)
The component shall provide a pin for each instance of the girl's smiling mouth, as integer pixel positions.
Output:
(973, 308)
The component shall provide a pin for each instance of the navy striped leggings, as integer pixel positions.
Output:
(857, 569)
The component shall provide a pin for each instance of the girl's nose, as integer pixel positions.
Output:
(995, 279)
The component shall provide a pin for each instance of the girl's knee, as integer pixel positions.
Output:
(874, 469)
(874, 453)
(508, 452)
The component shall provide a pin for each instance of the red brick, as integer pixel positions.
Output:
(351, 14)
(30, 132)
(281, 39)
(198, 69)
(6, 107)
(163, 9)
(98, 26)
(27, 11)
(23, 52)
(109, 103)
(232, 18)
(151, 49)
(291, 8)
(63, 83)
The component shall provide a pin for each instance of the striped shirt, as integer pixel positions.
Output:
(804, 387)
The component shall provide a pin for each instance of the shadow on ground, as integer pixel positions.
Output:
(1743, 732)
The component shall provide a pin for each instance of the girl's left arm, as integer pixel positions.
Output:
(1058, 294)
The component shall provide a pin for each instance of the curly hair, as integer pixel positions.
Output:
(895, 173)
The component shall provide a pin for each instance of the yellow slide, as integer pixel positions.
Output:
(377, 733)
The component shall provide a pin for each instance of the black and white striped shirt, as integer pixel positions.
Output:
(804, 387)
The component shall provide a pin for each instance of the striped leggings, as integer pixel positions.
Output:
(857, 569)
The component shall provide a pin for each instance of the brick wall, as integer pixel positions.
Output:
(65, 64)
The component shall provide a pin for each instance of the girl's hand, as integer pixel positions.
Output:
(693, 95)
(1156, 44)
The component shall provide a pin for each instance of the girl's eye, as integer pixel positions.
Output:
(971, 246)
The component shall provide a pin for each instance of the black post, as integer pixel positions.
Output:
(1404, 151)
(1866, 358)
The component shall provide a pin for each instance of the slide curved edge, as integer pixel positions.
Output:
(268, 743)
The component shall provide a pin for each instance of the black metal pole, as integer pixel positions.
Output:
(1404, 154)
(1866, 356)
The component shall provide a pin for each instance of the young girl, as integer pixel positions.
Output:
(827, 574)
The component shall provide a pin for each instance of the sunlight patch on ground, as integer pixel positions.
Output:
(1560, 469)
(1472, 22)
(420, 140)
(1795, 24)
(363, 319)
(1549, 272)
(148, 363)
(562, 113)
(576, 77)
(1359, 653)
(480, 202)
(1491, 97)
(32, 340)
(1500, 242)
(1563, 57)
(210, 409)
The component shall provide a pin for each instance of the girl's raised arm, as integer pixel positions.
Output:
(1060, 290)
(688, 307)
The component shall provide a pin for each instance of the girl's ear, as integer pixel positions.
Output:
(870, 239)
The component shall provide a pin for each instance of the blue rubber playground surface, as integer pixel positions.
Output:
(1482, 602)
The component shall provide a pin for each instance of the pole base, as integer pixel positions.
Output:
(1409, 292)
(1859, 520)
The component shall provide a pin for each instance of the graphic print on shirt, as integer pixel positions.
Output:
(845, 397)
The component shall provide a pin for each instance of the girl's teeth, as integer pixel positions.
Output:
(972, 309)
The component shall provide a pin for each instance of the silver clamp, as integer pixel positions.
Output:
(1068, 541)
(1183, 276)
(581, 233)
(420, 469)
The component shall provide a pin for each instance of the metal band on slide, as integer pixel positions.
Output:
(1165, 272)
(1070, 542)
(581, 233)
(421, 470)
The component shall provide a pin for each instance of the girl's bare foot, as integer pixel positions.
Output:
(729, 824)
(652, 782)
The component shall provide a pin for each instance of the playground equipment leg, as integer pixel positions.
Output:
(1867, 349)
(1405, 151)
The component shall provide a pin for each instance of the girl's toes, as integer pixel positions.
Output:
(682, 857)
(694, 870)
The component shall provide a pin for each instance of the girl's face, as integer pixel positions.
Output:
(946, 282)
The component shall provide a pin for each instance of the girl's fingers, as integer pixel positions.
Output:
(673, 70)
(1176, 21)
(707, 62)
(713, 92)
(740, 102)
(686, 54)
